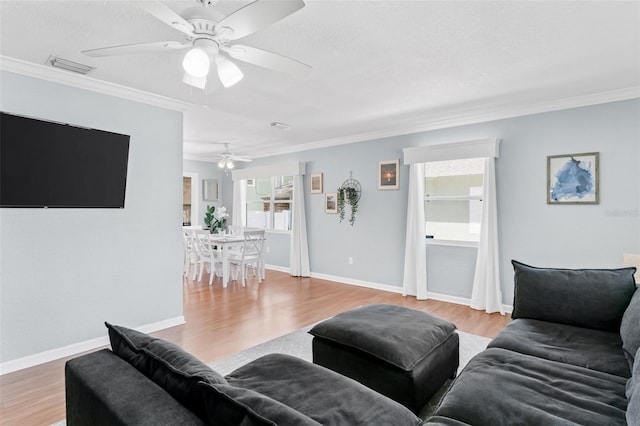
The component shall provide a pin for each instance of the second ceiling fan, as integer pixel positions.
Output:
(209, 33)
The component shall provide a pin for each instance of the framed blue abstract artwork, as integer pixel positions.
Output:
(573, 178)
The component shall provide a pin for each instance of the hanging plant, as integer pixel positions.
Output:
(341, 204)
(348, 196)
(352, 199)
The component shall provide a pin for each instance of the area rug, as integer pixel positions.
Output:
(298, 343)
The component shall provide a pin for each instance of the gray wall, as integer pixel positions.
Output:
(63, 272)
(208, 170)
(530, 230)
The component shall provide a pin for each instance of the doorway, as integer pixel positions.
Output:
(190, 191)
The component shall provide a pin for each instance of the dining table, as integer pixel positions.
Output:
(225, 242)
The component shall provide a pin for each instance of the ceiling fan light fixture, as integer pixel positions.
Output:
(226, 162)
(196, 63)
(228, 72)
(199, 82)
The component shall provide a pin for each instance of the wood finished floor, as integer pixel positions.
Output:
(220, 322)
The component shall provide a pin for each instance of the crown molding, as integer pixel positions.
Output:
(54, 75)
(472, 116)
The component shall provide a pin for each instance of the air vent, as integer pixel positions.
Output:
(281, 126)
(68, 65)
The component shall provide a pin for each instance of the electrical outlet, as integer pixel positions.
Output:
(350, 260)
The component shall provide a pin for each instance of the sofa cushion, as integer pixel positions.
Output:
(629, 328)
(102, 389)
(502, 387)
(173, 369)
(633, 394)
(415, 332)
(584, 347)
(229, 405)
(321, 394)
(591, 298)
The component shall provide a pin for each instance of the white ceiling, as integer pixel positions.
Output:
(379, 67)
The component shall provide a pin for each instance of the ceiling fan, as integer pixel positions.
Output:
(227, 158)
(208, 35)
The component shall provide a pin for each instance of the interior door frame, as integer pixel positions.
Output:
(195, 192)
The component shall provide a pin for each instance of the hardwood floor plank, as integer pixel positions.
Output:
(220, 322)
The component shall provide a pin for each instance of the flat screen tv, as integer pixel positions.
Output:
(47, 164)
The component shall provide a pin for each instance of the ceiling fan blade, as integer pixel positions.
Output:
(199, 82)
(168, 16)
(126, 49)
(257, 15)
(267, 59)
(241, 159)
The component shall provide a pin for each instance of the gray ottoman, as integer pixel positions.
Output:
(402, 353)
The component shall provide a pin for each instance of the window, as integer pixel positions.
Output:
(269, 202)
(453, 199)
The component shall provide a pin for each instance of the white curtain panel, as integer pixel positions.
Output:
(415, 251)
(299, 253)
(486, 293)
(239, 203)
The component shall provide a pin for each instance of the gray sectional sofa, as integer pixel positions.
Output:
(567, 357)
(148, 381)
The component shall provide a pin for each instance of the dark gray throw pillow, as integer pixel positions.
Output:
(590, 298)
(170, 367)
(230, 405)
(629, 329)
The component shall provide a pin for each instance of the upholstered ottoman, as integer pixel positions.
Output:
(402, 353)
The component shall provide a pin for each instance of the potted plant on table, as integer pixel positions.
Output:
(216, 220)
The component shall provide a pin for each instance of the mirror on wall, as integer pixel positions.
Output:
(210, 189)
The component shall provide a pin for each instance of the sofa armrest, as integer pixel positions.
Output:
(102, 389)
(590, 298)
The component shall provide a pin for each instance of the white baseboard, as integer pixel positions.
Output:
(277, 268)
(390, 288)
(76, 348)
(359, 283)
(460, 300)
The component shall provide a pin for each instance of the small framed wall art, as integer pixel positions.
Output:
(331, 202)
(389, 174)
(573, 178)
(315, 183)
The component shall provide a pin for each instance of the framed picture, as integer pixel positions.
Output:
(389, 174)
(315, 183)
(251, 182)
(573, 178)
(331, 202)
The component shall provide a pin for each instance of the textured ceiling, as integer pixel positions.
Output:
(379, 67)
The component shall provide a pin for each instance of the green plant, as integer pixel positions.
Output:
(341, 204)
(348, 196)
(353, 198)
(215, 221)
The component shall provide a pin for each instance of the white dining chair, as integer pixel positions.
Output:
(248, 255)
(208, 256)
(190, 252)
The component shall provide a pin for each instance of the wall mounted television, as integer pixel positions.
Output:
(48, 164)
